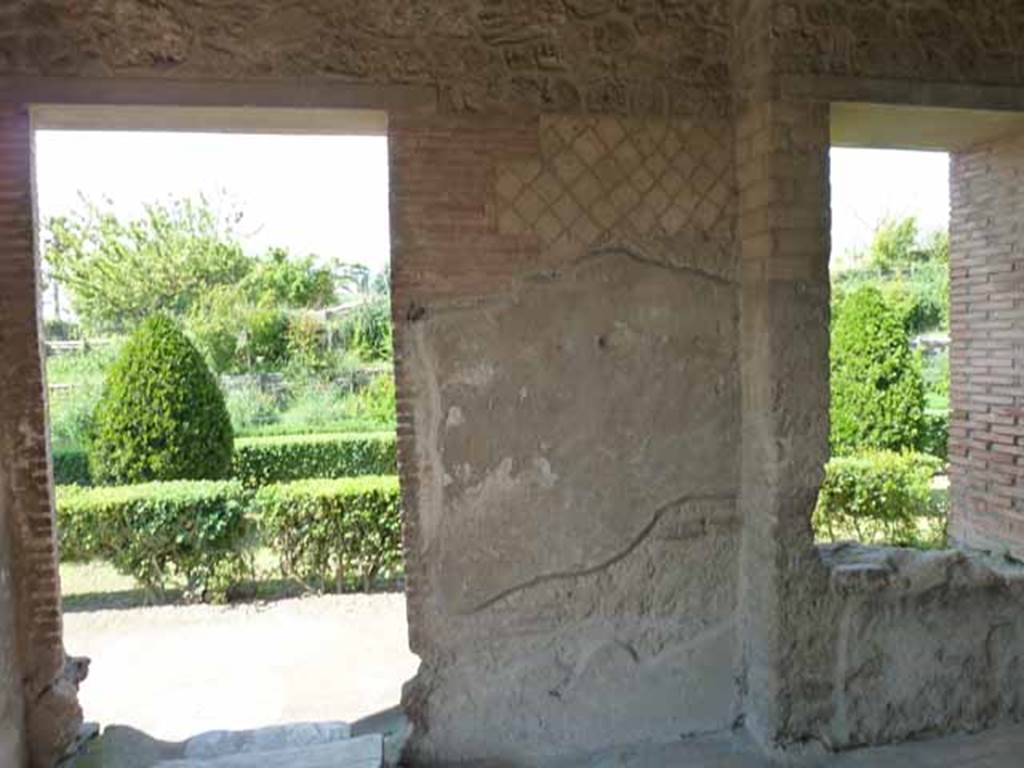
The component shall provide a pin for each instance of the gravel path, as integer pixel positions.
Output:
(174, 671)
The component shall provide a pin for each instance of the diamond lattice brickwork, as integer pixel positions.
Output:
(603, 180)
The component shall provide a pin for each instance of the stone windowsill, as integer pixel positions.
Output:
(859, 569)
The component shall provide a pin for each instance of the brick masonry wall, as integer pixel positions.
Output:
(25, 479)
(782, 171)
(601, 56)
(987, 353)
(445, 244)
(976, 41)
(538, 263)
(13, 159)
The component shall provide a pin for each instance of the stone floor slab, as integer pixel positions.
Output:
(997, 748)
(360, 752)
(289, 736)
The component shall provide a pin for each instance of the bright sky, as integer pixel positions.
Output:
(329, 194)
(870, 184)
(326, 195)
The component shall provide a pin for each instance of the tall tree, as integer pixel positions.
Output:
(119, 272)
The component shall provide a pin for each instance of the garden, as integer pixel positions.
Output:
(886, 481)
(222, 423)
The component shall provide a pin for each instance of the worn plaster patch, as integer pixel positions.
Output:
(567, 414)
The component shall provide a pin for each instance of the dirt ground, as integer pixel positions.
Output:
(174, 671)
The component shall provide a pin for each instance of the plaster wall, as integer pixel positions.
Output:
(925, 643)
(577, 589)
(964, 41)
(12, 706)
(11, 641)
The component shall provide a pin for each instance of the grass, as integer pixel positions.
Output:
(78, 579)
(81, 367)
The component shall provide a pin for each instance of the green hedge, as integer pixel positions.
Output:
(880, 498)
(262, 461)
(71, 467)
(342, 532)
(265, 460)
(195, 530)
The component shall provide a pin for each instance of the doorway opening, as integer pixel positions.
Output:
(887, 481)
(219, 365)
(982, 507)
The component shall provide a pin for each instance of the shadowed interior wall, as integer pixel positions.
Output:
(610, 299)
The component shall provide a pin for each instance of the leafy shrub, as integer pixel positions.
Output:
(162, 415)
(910, 268)
(376, 401)
(158, 531)
(876, 383)
(307, 350)
(935, 368)
(935, 437)
(264, 460)
(71, 467)
(250, 326)
(880, 498)
(264, 345)
(237, 336)
(344, 532)
(250, 406)
(315, 403)
(56, 329)
(367, 331)
(215, 323)
(924, 296)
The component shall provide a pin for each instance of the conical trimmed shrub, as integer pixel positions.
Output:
(162, 415)
(877, 386)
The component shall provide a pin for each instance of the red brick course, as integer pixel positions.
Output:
(986, 443)
(24, 479)
(445, 245)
